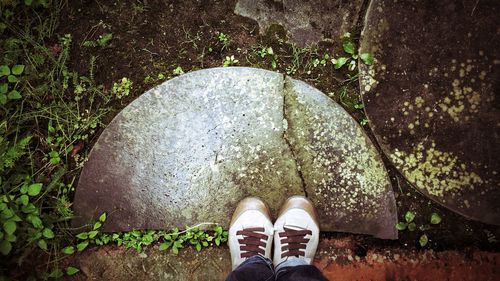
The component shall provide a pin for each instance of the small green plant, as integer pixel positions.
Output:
(85, 238)
(122, 88)
(411, 225)
(102, 41)
(264, 52)
(351, 60)
(435, 218)
(321, 61)
(57, 272)
(409, 217)
(359, 105)
(301, 57)
(137, 239)
(54, 157)
(151, 79)
(138, 8)
(9, 80)
(178, 71)
(224, 40)
(423, 240)
(195, 237)
(230, 60)
(18, 212)
(364, 122)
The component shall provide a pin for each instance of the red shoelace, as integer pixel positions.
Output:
(252, 243)
(295, 242)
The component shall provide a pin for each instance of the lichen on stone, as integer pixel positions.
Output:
(463, 98)
(342, 170)
(366, 78)
(435, 171)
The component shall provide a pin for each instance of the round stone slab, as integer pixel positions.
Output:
(188, 150)
(432, 98)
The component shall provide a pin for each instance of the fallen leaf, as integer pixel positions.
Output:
(77, 148)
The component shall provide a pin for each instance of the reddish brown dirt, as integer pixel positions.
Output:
(429, 265)
(339, 259)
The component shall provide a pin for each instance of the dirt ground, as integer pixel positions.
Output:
(152, 37)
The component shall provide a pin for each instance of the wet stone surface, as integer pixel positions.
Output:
(306, 22)
(432, 98)
(188, 150)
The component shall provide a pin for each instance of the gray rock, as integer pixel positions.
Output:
(341, 169)
(188, 150)
(432, 98)
(305, 21)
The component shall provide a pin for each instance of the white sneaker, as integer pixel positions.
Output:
(296, 231)
(251, 231)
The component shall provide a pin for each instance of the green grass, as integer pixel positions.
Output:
(48, 113)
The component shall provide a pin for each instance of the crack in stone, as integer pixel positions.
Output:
(287, 141)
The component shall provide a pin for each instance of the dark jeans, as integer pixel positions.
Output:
(258, 268)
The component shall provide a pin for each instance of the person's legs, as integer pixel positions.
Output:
(295, 241)
(299, 272)
(254, 268)
(250, 240)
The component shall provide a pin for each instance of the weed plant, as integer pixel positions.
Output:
(48, 114)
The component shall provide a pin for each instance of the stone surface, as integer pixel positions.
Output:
(432, 98)
(341, 169)
(336, 258)
(305, 21)
(188, 150)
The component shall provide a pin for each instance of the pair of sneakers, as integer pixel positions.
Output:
(295, 232)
